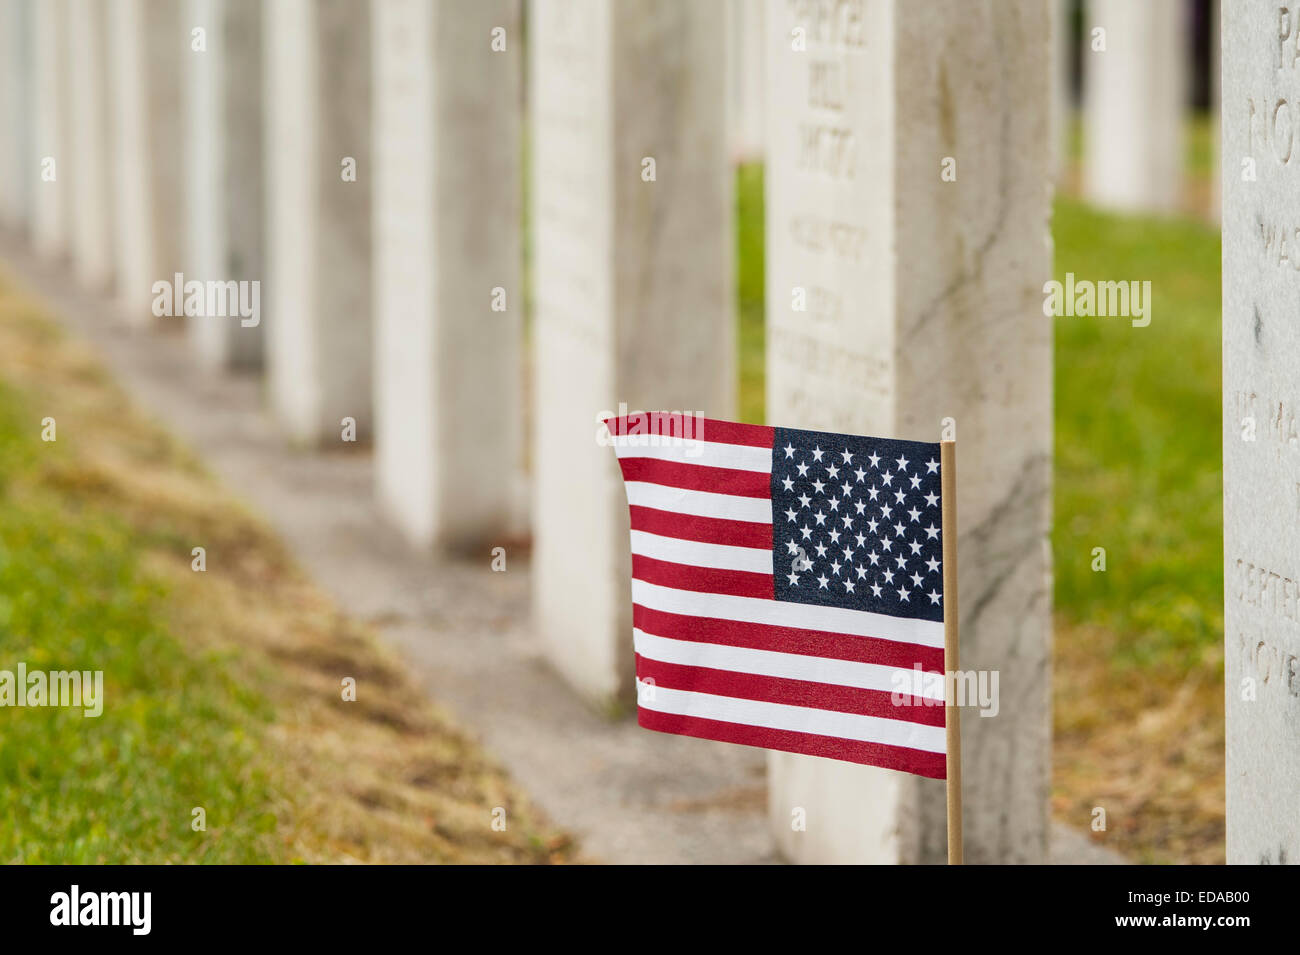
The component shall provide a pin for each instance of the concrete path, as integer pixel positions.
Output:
(631, 796)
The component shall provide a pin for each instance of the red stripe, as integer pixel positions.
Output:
(774, 689)
(707, 580)
(688, 426)
(708, 530)
(697, 477)
(917, 761)
(812, 643)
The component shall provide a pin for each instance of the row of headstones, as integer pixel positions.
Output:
(365, 159)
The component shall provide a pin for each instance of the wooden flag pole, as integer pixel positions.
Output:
(952, 715)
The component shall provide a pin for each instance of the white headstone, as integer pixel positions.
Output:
(1261, 431)
(17, 178)
(448, 260)
(907, 246)
(745, 79)
(50, 165)
(146, 42)
(633, 287)
(225, 217)
(318, 194)
(1135, 102)
(89, 160)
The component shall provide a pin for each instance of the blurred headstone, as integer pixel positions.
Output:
(51, 164)
(745, 79)
(1135, 102)
(225, 210)
(318, 194)
(632, 212)
(448, 260)
(18, 179)
(908, 174)
(1261, 432)
(89, 159)
(146, 42)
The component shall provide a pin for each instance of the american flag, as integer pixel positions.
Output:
(787, 588)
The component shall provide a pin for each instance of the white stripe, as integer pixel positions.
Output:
(720, 556)
(689, 451)
(797, 719)
(729, 507)
(790, 666)
(862, 623)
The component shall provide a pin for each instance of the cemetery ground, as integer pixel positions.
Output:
(223, 688)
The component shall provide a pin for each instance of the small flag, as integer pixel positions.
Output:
(787, 588)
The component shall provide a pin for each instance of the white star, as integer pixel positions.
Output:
(848, 585)
(848, 458)
(862, 540)
(821, 550)
(875, 590)
(932, 532)
(862, 572)
(822, 581)
(933, 565)
(916, 579)
(931, 466)
(833, 471)
(901, 561)
(794, 579)
(835, 504)
(835, 537)
(931, 499)
(900, 497)
(898, 529)
(817, 486)
(848, 552)
(873, 491)
(888, 479)
(804, 500)
(874, 459)
(872, 524)
(913, 513)
(902, 463)
(806, 532)
(787, 484)
(934, 597)
(817, 453)
(888, 575)
(835, 568)
(820, 518)
(792, 547)
(886, 544)
(806, 564)
(847, 488)
(916, 481)
(790, 513)
(886, 511)
(874, 558)
(902, 594)
(848, 520)
(789, 450)
(861, 506)
(803, 469)
(915, 545)
(861, 474)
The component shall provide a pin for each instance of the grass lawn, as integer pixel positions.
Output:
(1138, 674)
(222, 688)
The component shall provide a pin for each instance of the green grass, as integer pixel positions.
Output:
(1138, 441)
(177, 731)
(1137, 426)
